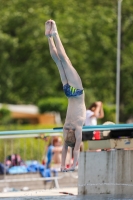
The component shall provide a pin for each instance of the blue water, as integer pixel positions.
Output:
(70, 197)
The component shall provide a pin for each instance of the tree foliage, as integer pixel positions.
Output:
(5, 115)
(88, 30)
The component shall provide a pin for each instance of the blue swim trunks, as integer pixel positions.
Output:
(71, 91)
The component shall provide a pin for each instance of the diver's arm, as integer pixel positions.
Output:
(78, 135)
(64, 153)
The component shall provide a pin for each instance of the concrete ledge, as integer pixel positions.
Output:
(111, 144)
(105, 172)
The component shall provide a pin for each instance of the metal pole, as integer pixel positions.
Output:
(118, 62)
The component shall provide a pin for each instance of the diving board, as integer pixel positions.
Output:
(60, 129)
(109, 131)
(102, 127)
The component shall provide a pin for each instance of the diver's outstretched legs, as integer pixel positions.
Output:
(53, 52)
(54, 55)
(71, 74)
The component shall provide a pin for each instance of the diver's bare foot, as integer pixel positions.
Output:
(63, 169)
(70, 169)
(48, 26)
(53, 30)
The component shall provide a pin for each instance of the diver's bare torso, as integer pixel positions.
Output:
(76, 112)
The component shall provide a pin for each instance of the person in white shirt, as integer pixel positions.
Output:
(94, 112)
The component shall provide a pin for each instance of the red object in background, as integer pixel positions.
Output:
(43, 162)
(96, 135)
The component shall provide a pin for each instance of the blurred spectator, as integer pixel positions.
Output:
(54, 152)
(94, 112)
(14, 160)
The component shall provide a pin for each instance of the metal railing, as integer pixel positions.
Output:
(30, 147)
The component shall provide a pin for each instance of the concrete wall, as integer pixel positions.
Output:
(104, 170)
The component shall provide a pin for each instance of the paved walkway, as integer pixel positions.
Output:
(60, 194)
(51, 192)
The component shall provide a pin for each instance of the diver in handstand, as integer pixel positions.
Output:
(72, 86)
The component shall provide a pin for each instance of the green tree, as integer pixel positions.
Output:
(5, 115)
(88, 31)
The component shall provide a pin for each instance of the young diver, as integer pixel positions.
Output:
(73, 89)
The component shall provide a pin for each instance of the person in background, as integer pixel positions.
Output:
(54, 152)
(94, 112)
(73, 89)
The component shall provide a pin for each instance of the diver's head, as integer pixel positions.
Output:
(70, 139)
